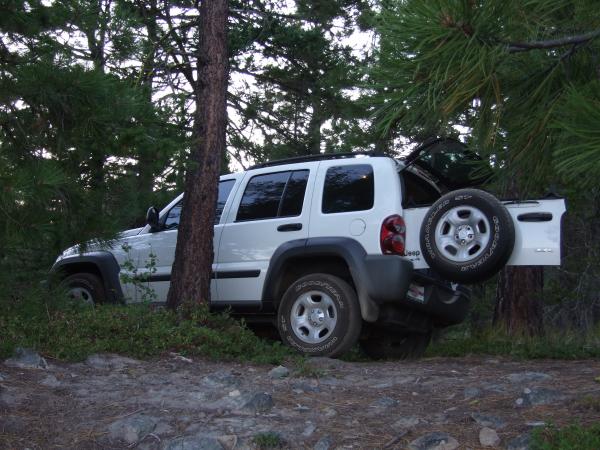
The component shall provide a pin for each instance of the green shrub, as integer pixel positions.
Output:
(572, 437)
(556, 345)
(68, 331)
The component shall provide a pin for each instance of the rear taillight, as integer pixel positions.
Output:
(393, 236)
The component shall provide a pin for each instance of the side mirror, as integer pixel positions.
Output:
(152, 218)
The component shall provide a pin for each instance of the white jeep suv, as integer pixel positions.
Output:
(338, 248)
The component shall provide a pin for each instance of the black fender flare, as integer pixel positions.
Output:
(106, 264)
(363, 270)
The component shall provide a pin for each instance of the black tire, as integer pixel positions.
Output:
(84, 287)
(329, 293)
(382, 344)
(487, 259)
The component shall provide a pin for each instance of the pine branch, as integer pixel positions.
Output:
(515, 47)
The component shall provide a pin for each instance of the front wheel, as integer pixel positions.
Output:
(86, 288)
(319, 315)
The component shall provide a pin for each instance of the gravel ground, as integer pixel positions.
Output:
(112, 402)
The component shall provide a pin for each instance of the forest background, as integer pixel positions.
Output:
(96, 113)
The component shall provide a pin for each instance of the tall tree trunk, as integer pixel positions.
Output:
(192, 269)
(519, 304)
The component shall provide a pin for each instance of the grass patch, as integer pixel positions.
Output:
(572, 437)
(554, 345)
(67, 331)
(267, 440)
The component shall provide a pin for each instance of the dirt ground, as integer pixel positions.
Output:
(114, 402)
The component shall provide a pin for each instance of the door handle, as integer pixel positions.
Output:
(290, 227)
(535, 217)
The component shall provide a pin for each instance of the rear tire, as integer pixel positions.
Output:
(319, 315)
(84, 287)
(382, 344)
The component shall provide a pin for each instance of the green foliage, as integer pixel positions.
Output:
(458, 341)
(530, 107)
(67, 331)
(572, 437)
(267, 440)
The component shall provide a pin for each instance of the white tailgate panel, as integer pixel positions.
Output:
(536, 243)
(413, 217)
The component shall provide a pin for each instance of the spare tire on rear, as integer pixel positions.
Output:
(467, 236)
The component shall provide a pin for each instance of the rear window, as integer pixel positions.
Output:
(417, 192)
(348, 188)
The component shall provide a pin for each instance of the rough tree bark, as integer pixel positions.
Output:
(519, 304)
(191, 273)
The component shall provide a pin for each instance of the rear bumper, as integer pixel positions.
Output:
(389, 278)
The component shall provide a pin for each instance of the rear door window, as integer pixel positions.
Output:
(348, 188)
(272, 195)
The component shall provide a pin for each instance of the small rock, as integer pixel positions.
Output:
(309, 430)
(279, 372)
(434, 441)
(220, 378)
(3, 377)
(259, 402)
(329, 412)
(108, 361)
(486, 420)
(488, 437)
(50, 381)
(536, 424)
(324, 443)
(132, 429)
(519, 443)
(301, 387)
(235, 393)
(26, 358)
(228, 441)
(542, 396)
(471, 393)
(527, 377)
(406, 423)
(198, 442)
(519, 402)
(386, 402)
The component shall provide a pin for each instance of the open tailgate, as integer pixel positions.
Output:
(537, 231)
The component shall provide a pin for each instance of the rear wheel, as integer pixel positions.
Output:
(85, 288)
(382, 344)
(319, 315)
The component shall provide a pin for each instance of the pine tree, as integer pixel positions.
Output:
(521, 76)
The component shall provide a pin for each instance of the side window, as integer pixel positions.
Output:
(348, 188)
(417, 192)
(273, 195)
(172, 220)
(224, 191)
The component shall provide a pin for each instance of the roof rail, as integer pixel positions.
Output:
(319, 157)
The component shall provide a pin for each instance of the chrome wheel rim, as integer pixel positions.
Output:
(313, 317)
(80, 294)
(462, 234)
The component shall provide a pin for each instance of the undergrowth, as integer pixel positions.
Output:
(572, 437)
(552, 345)
(64, 330)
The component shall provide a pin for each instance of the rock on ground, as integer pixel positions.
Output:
(132, 429)
(26, 359)
(434, 441)
(488, 437)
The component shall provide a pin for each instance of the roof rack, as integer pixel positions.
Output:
(319, 157)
